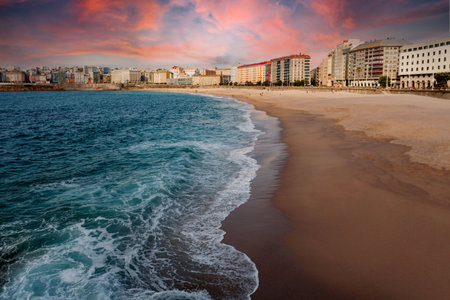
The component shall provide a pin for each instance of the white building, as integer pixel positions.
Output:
(125, 76)
(419, 62)
(192, 71)
(371, 60)
(290, 68)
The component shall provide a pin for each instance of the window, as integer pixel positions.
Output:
(445, 58)
(409, 50)
(443, 66)
(423, 54)
(442, 44)
(407, 56)
(428, 53)
(403, 57)
(436, 45)
(431, 46)
(422, 68)
(448, 43)
(425, 47)
(415, 49)
(428, 68)
(439, 59)
(439, 51)
(417, 69)
(423, 61)
(439, 67)
(434, 52)
(420, 48)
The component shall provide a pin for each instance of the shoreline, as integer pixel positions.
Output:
(364, 220)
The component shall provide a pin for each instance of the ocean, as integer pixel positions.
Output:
(121, 195)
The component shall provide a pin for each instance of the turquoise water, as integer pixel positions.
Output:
(113, 195)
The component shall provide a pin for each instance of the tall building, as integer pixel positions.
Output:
(314, 76)
(176, 71)
(14, 76)
(371, 60)
(191, 71)
(323, 72)
(340, 62)
(59, 77)
(419, 62)
(290, 68)
(253, 73)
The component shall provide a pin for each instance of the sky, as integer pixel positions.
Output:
(200, 33)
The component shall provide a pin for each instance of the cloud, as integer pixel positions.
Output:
(200, 32)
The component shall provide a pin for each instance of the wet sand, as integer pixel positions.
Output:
(361, 206)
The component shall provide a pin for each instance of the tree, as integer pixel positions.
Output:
(279, 82)
(266, 83)
(442, 79)
(248, 83)
(300, 83)
(382, 81)
(258, 83)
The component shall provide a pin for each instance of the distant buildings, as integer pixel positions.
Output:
(124, 76)
(161, 76)
(419, 62)
(14, 76)
(340, 62)
(206, 80)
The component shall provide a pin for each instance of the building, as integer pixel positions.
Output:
(38, 78)
(206, 80)
(253, 73)
(80, 77)
(419, 62)
(290, 68)
(225, 74)
(191, 71)
(161, 76)
(323, 72)
(14, 76)
(340, 62)
(180, 81)
(124, 76)
(207, 72)
(371, 60)
(176, 71)
(314, 76)
(59, 77)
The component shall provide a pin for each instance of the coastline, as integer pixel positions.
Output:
(357, 218)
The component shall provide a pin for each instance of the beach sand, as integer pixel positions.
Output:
(361, 206)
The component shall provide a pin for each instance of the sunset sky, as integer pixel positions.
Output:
(145, 33)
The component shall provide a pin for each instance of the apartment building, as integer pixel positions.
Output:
(290, 68)
(419, 62)
(124, 76)
(340, 62)
(252, 73)
(371, 60)
(161, 76)
(323, 72)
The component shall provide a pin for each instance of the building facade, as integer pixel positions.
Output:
(206, 80)
(253, 73)
(124, 76)
(290, 68)
(161, 76)
(323, 72)
(371, 60)
(340, 62)
(421, 61)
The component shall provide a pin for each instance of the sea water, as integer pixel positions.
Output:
(121, 195)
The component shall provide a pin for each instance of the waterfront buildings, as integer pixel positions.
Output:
(191, 71)
(421, 61)
(206, 80)
(180, 81)
(59, 77)
(314, 76)
(124, 76)
(371, 60)
(323, 72)
(161, 76)
(289, 69)
(253, 73)
(339, 75)
(14, 76)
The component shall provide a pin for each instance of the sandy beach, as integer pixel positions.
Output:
(361, 206)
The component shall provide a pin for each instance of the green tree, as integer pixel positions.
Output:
(266, 83)
(279, 82)
(382, 81)
(248, 83)
(258, 83)
(442, 79)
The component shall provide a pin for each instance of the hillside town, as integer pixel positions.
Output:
(388, 62)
